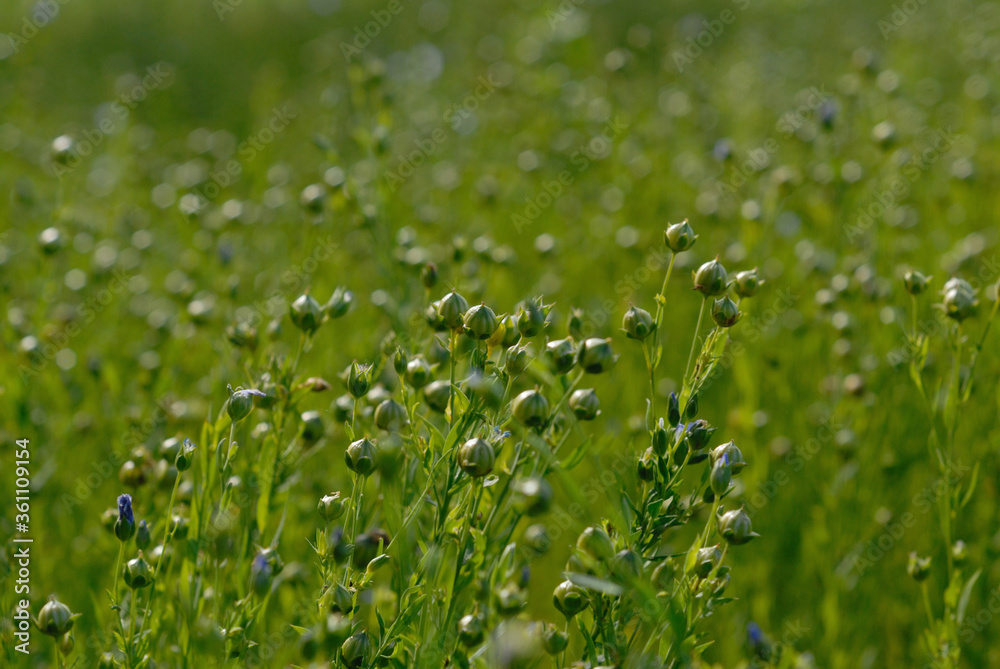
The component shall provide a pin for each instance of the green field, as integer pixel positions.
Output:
(205, 197)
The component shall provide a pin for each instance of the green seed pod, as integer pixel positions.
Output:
(748, 283)
(356, 651)
(554, 640)
(561, 355)
(531, 409)
(596, 356)
(711, 279)
(339, 304)
(312, 426)
(399, 362)
(536, 538)
(480, 322)
(62, 149)
(470, 630)
(661, 439)
(359, 380)
(476, 458)
(595, 543)
(418, 372)
(241, 403)
(959, 302)
(437, 395)
(919, 568)
(691, 410)
(511, 599)
(627, 565)
(585, 404)
(331, 507)
(142, 537)
(138, 574)
(391, 416)
(55, 619)
(570, 599)
(721, 477)
(725, 313)
(339, 599)
(360, 456)
(646, 466)
(531, 317)
(343, 408)
(735, 527)
(679, 237)
(637, 323)
(532, 496)
(506, 334)
(451, 309)
(733, 453)
(959, 552)
(434, 319)
(673, 410)
(306, 314)
(517, 361)
(429, 275)
(706, 560)
(312, 198)
(185, 456)
(699, 434)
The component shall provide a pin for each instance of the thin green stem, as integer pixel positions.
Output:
(118, 568)
(694, 340)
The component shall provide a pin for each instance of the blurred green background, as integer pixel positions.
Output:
(767, 124)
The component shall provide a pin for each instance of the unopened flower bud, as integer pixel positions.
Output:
(730, 451)
(637, 323)
(418, 372)
(359, 380)
(596, 356)
(960, 302)
(585, 404)
(691, 410)
(437, 395)
(570, 599)
(312, 426)
(679, 236)
(429, 275)
(480, 322)
(399, 362)
(142, 537)
(67, 643)
(508, 333)
(125, 525)
(391, 416)
(470, 630)
(138, 574)
(699, 434)
(185, 456)
(747, 283)
(707, 559)
(646, 467)
(735, 527)
(531, 409)
(596, 544)
(915, 282)
(476, 458)
(575, 323)
(673, 410)
(561, 355)
(306, 314)
(55, 619)
(725, 313)
(532, 496)
(721, 476)
(356, 651)
(711, 279)
(360, 456)
(554, 640)
(451, 309)
(531, 317)
(331, 507)
(517, 360)
(339, 303)
(241, 402)
(919, 568)
(627, 565)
